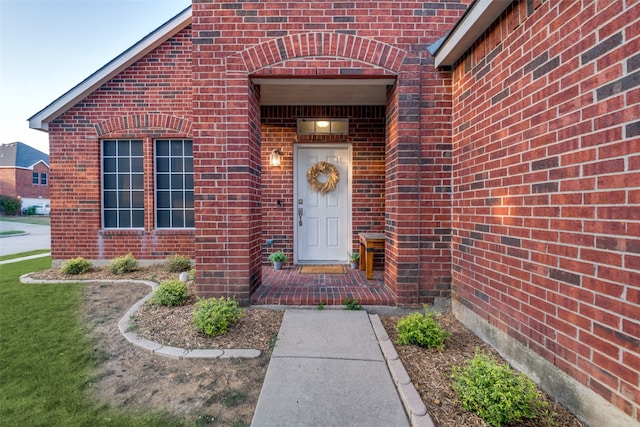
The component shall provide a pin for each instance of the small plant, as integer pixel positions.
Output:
(422, 330)
(352, 304)
(123, 264)
(192, 274)
(320, 306)
(278, 257)
(495, 392)
(170, 293)
(75, 266)
(213, 316)
(354, 256)
(177, 263)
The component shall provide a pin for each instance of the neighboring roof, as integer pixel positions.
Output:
(167, 30)
(21, 155)
(475, 21)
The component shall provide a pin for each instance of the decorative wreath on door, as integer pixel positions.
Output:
(319, 169)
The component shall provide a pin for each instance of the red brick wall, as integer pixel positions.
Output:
(151, 99)
(546, 212)
(366, 135)
(237, 39)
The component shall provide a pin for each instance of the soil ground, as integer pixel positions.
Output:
(224, 392)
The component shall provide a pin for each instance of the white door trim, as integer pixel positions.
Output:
(343, 258)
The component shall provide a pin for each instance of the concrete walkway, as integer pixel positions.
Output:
(327, 369)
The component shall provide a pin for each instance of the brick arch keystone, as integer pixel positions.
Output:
(144, 121)
(341, 45)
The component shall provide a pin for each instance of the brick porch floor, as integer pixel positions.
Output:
(289, 287)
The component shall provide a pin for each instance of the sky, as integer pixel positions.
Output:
(49, 46)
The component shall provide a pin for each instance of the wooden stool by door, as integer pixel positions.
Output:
(368, 243)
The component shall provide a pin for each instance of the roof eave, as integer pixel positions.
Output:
(476, 20)
(41, 119)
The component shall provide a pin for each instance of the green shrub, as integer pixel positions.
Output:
(75, 266)
(170, 293)
(495, 392)
(123, 264)
(213, 316)
(9, 205)
(192, 274)
(177, 263)
(31, 210)
(421, 329)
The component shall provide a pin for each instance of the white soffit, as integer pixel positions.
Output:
(473, 24)
(276, 91)
(41, 119)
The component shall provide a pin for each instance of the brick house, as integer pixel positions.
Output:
(496, 147)
(24, 173)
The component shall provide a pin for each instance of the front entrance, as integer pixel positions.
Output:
(322, 213)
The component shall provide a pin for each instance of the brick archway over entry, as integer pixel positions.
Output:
(227, 157)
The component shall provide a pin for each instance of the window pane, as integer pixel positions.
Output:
(123, 148)
(34, 177)
(109, 165)
(176, 182)
(43, 178)
(177, 217)
(137, 219)
(164, 218)
(137, 199)
(136, 148)
(188, 148)
(162, 165)
(109, 181)
(188, 181)
(188, 199)
(136, 165)
(110, 219)
(188, 219)
(176, 148)
(123, 164)
(137, 181)
(124, 219)
(177, 199)
(109, 148)
(162, 148)
(162, 181)
(110, 199)
(163, 199)
(124, 199)
(124, 182)
(176, 165)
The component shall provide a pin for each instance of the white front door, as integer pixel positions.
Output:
(322, 221)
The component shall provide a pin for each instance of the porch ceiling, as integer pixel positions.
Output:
(323, 91)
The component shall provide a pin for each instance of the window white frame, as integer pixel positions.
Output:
(174, 196)
(122, 183)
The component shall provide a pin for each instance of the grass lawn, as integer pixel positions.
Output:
(46, 359)
(27, 219)
(23, 254)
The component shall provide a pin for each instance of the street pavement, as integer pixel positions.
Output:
(36, 237)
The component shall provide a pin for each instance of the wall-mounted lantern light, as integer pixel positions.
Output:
(274, 158)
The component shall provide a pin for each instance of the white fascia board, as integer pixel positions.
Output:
(40, 120)
(472, 25)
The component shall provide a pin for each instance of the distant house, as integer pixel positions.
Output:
(24, 173)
